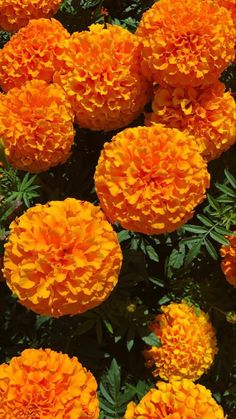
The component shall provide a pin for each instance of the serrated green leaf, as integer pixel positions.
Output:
(219, 238)
(152, 340)
(223, 231)
(151, 252)
(228, 191)
(193, 252)
(123, 235)
(210, 248)
(195, 229)
(213, 202)
(230, 178)
(205, 220)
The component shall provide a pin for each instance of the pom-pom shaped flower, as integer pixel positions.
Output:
(62, 257)
(228, 263)
(209, 114)
(36, 125)
(150, 179)
(186, 42)
(41, 383)
(177, 400)
(14, 14)
(188, 343)
(32, 53)
(102, 76)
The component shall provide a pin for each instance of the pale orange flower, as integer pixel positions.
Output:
(228, 263)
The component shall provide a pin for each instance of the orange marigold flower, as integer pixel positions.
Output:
(209, 114)
(186, 42)
(36, 125)
(228, 263)
(41, 383)
(32, 53)
(14, 14)
(230, 5)
(102, 76)
(150, 179)
(176, 400)
(62, 258)
(191, 355)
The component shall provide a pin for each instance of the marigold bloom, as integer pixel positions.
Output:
(228, 263)
(150, 179)
(32, 53)
(209, 114)
(102, 76)
(14, 14)
(192, 353)
(230, 5)
(176, 400)
(36, 125)
(186, 42)
(41, 383)
(62, 258)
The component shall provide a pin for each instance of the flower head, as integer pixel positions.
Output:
(150, 179)
(230, 5)
(36, 125)
(101, 74)
(62, 258)
(41, 383)
(14, 14)
(228, 263)
(186, 42)
(176, 400)
(191, 353)
(32, 53)
(208, 114)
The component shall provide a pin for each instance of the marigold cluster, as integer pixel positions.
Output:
(150, 179)
(177, 400)
(188, 343)
(62, 258)
(186, 42)
(101, 74)
(208, 114)
(41, 383)
(228, 263)
(32, 53)
(14, 14)
(36, 125)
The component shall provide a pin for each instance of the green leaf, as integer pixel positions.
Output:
(150, 252)
(228, 191)
(193, 252)
(218, 238)
(224, 231)
(230, 178)
(205, 220)
(123, 235)
(210, 248)
(152, 340)
(195, 229)
(213, 202)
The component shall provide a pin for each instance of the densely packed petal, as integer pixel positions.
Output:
(32, 53)
(41, 383)
(188, 343)
(62, 257)
(36, 125)
(186, 42)
(102, 76)
(176, 400)
(150, 179)
(228, 263)
(208, 114)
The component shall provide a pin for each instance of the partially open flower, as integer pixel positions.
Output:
(228, 263)
(186, 42)
(62, 258)
(150, 179)
(41, 383)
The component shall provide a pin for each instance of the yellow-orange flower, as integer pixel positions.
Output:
(62, 257)
(186, 42)
(230, 5)
(14, 14)
(188, 343)
(228, 263)
(36, 125)
(102, 76)
(32, 53)
(150, 179)
(176, 400)
(209, 114)
(41, 383)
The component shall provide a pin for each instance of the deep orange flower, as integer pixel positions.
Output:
(228, 263)
(32, 53)
(230, 5)
(102, 76)
(188, 343)
(62, 258)
(36, 125)
(208, 114)
(41, 383)
(150, 179)
(176, 400)
(14, 14)
(186, 42)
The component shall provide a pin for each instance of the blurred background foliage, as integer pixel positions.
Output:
(157, 269)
